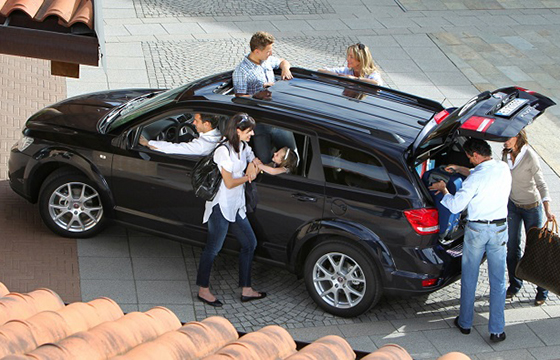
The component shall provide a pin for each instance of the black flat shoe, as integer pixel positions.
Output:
(498, 337)
(463, 330)
(215, 303)
(261, 295)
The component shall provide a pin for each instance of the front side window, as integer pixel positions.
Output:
(353, 168)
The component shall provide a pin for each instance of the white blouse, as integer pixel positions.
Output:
(231, 201)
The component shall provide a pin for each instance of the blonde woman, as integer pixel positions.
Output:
(360, 65)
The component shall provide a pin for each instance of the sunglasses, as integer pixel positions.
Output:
(360, 46)
(244, 118)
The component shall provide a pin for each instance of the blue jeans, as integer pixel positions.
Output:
(531, 218)
(479, 239)
(217, 231)
(266, 137)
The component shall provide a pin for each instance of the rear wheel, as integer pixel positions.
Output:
(70, 205)
(341, 279)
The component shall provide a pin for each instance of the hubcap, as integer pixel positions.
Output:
(339, 280)
(75, 207)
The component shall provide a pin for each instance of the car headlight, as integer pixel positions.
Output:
(24, 142)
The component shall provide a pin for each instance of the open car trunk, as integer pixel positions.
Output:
(493, 116)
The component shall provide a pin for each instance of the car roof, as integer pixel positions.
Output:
(384, 113)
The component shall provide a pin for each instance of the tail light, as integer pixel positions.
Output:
(477, 123)
(429, 282)
(525, 90)
(424, 221)
(440, 116)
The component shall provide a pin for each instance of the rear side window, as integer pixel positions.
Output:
(353, 168)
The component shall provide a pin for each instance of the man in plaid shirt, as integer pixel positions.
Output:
(255, 72)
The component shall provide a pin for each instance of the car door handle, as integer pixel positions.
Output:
(303, 197)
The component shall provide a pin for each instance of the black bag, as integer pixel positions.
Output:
(251, 196)
(540, 263)
(206, 177)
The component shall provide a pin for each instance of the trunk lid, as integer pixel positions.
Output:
(494, 116)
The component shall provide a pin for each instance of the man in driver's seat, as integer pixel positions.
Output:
(209, 135)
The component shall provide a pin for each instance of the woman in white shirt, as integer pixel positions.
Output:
(228, 207)
(529, 202)
(360, 65)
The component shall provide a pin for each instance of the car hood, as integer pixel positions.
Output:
(83, 112)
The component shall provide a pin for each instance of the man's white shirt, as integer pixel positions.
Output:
(485, 192)
(202, 145)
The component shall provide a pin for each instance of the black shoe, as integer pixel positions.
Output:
(463, 330)
(215, 303)
(498, 337)
(539, 300)
(261, 295)
(510, 294)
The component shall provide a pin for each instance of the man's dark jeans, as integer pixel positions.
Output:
(217, 231)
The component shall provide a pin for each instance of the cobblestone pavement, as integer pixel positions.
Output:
(187, 8)
(176, 62)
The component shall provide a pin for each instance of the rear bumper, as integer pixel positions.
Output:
(446, 271)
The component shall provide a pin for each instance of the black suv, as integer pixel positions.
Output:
(354, 219)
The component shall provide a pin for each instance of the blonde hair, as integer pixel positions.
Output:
(362, 54)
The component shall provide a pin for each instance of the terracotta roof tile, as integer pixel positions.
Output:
(3, 289)
(23, 306)
(68, 12)
(39, 325)
(390, 352)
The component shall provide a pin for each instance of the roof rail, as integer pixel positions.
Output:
(367, 87)
(381, 134)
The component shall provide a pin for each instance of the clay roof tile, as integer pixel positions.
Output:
(3, 289)
(68, 12)
(46, 330)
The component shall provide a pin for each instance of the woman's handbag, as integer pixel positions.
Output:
(251, 196)
(540, 263)
(206, 177)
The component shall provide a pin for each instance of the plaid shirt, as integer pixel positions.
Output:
(249, 78)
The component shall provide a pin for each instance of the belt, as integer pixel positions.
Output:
(528, 206)
(497, 221)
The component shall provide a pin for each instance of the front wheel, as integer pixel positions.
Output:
(341, 279)
(70, 205)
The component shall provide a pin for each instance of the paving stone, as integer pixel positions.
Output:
(546, 330)
(418, 344)
(163, 292)
(122, 291)
(167, 268)
(452, 340)
(154, 8)
(104, 268)
(254, 26)
(104, 246)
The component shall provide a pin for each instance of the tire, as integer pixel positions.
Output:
(333, 287)
(70, 205)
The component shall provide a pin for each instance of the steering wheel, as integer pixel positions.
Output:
(188, 129)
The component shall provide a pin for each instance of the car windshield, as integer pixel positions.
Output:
(137, 107)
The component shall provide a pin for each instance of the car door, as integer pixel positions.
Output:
(494, 116)
(152, 189)
(288, 203)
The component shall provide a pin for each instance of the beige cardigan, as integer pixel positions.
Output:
(527, 179)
